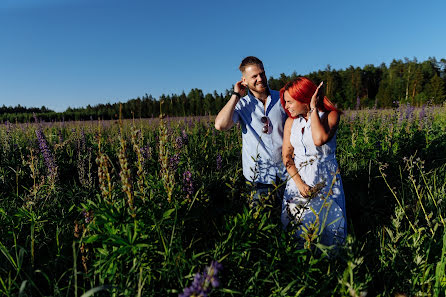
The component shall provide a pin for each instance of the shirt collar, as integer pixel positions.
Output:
(252, 97)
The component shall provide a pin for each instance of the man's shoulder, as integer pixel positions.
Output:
(274, 92)
(275, 95)
(244, 104)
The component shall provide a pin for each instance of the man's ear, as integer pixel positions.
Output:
(244, 81)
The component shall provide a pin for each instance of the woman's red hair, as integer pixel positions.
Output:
(302, 89)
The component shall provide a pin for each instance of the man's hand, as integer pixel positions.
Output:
(240, 88)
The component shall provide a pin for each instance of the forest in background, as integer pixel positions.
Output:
(405, 81)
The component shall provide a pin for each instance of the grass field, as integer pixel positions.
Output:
(143, 207)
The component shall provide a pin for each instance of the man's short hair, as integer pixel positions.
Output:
(251, 60)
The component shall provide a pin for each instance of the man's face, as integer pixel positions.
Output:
(254, 78)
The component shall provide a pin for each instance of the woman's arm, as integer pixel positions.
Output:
(288, 160)
(322, 130)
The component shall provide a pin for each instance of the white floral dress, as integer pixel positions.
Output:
(318, 168)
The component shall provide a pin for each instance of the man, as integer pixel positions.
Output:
(262, 118)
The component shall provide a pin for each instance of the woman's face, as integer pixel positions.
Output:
(294, 107)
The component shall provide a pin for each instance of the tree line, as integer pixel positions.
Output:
(403, 81)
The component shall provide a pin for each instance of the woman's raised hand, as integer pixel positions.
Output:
(316, 96)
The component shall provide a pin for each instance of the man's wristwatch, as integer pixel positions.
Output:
(236, 94)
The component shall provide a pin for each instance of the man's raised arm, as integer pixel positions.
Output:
(224, 121)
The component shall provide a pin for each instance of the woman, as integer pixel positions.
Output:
(314, 196)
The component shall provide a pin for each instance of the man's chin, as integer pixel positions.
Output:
(261, 88)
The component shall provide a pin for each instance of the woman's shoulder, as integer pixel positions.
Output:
(289, 123)
(333, 117)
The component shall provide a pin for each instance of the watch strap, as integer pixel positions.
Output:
(236, 94)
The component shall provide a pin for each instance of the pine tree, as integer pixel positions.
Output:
(435, 90)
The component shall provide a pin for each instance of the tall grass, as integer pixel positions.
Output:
(140, 208)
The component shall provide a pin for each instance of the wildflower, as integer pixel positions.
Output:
(137, 141)
(125, 170)
(352, 116)
(203, 283)
(185, 137)
(179, 142)
(174, 161)
(81, 142)
(88, 215)
(59, 133)
(46, 153)
(409, 111)
(146, 153)
(423, 111)
(422, 117)
(165, 172)
(401, 114)
(219, 159)
(188, 185)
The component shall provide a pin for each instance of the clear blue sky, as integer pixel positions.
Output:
(61, 53)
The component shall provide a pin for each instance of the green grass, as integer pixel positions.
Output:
(120, 218)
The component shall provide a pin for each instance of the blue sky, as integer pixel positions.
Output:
(61, 53)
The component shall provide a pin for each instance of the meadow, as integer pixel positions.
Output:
(159, 207)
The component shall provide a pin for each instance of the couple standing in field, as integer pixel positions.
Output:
(289, 136)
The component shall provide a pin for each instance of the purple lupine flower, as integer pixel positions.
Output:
(190, 123)
(358, 103)
(219, 159)
(174, 161)
(185, 137)
(179, 142)
(82, 141)
(46, 153)
(146, 153)
(59, 133)
(204, 283)
(409, 111)
(212, 271)
(422, 116)
(188, 185)
(8, 126)
(88, 215)
(352, 116)
(423, 111)
(401, 114)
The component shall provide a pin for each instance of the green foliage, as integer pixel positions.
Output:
(111, 225)
(403, 81)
